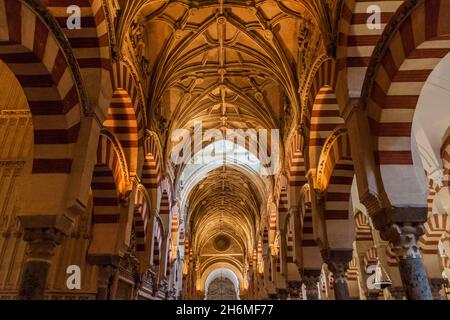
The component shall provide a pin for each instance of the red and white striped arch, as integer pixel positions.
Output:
(311, 255)
(322, 115)
(297, 169)
(335, 177)
(158, 238)
(142, 223)
(29, 48)
(356, 42)
(151, 172)
(125, 78)
(363, 229)
(90, 44)
(415, 48)
(108, 182)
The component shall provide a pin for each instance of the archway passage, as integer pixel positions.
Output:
(225, 149)
(222, 284)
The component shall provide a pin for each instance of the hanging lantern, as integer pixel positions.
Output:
(382, 279)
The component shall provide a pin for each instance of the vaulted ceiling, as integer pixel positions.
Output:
(230, 64)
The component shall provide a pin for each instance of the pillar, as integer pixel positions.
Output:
(404, 237)
(105, 280)
(108, 268)
(311, 280)
(402, 227)
(41, 247)
(337, 261)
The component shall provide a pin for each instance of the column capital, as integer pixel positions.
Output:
(337, 261)
(395, 215)
(404, 237)
(42, 242)
(311, 280)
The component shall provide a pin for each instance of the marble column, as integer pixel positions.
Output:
(311, 280)
(41, 246)
(404, 237)
(437, 286)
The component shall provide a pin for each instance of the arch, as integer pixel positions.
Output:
(109, 181)
(335, 177)
(394, 87)
(126, 78)
(297, 167)
(39, 58)
(158, 238)
(363, 229)
(311, 255)
(322, 114)
(92, 50)
(122, 122)
(225, 273)
(357, 42)
(151, 172)
(215, 264)
(143, 223)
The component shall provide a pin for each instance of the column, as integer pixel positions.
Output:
(404, 237)
(105, 280)
(41, 246)
(337, 261)
(108, 268)
(311, 280)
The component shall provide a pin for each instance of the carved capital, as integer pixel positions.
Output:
(42, 242)
(404, 237)
(337, 261)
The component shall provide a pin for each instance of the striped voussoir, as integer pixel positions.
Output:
(290, 242)
(297, 169)
(352, 272)
(141, 216)
(122, 122)
(323, 114)
(356, 42)
(260, 250)
(363, 229)
(151, 175)
(273, 219)
(186, 246)
(435, 228)
(107, 181)
(307, 228)
(415, 49)
(370, 257)
(157, 243)
(29, 49)
(165, 212)
(125, 79)
(90, 43)
(174, 227)
(339, 172)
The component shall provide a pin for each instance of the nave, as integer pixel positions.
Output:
(224, 150)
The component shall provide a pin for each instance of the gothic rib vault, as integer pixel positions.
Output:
(110, 109)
